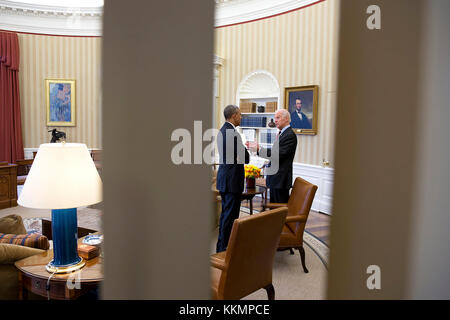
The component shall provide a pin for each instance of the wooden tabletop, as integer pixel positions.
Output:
(253, 191)
(246, 192)
(34, 266)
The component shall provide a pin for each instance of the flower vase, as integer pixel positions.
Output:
(250, 183)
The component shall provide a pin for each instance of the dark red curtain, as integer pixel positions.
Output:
(11, 145)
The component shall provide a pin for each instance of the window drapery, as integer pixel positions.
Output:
(11, 144)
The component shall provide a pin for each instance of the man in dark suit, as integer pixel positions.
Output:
(230, 177)
(299, 120)
(283, 151)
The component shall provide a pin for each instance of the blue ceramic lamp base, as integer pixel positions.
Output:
(65, 242)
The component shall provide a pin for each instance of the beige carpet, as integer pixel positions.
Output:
(291, 283)
(26, 213)
(88, 217)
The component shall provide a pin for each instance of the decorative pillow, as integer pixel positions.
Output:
(12, 224)
(32, 240)
(33, 224)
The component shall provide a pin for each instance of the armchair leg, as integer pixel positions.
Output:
(270, 292)
(291, 251)
(302, 257)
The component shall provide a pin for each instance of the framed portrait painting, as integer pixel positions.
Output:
(60, 96)
(301, 102)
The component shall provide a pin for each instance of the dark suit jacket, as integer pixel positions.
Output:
(287, 144)
(231, 174)
(296, 123)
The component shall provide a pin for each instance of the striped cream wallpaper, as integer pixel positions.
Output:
(299, 48)
(60, 57)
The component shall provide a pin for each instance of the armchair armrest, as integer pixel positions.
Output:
(218, 261)
(10, 253)
(295, 219)
(273, 205)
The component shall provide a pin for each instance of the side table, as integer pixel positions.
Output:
(34, 277)
(249, 194)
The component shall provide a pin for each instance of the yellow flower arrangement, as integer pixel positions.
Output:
(252, 171)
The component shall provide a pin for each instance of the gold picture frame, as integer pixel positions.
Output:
(61, 104)
(302, 102)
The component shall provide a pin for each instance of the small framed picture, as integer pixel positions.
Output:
(60, 96)
(301, 102)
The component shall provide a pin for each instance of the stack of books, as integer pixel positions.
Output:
(271, 106)
(247, 107)
(258, 122)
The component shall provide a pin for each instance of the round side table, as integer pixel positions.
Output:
(33, 277)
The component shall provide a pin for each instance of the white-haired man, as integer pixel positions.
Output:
(281, 181)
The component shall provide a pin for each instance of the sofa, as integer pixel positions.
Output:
(12, 232)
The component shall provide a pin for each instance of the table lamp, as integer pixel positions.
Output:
(63, 177)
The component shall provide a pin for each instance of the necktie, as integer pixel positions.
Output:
(278, 134)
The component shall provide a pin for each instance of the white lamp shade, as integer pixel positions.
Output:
(63, 175)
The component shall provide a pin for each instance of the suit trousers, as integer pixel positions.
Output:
(279, 195)
(231, 205)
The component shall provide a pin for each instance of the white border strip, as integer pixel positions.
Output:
(28, 152)
(322, 177)
(233, 12)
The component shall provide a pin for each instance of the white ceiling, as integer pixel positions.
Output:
(63, 3)
(237, 11)
(84, 17)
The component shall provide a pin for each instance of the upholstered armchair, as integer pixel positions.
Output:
(299, 205)
(246, 265)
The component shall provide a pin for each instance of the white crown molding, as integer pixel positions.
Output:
(238, 11)
(87, 21)
(37, 9)
(52, 20)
